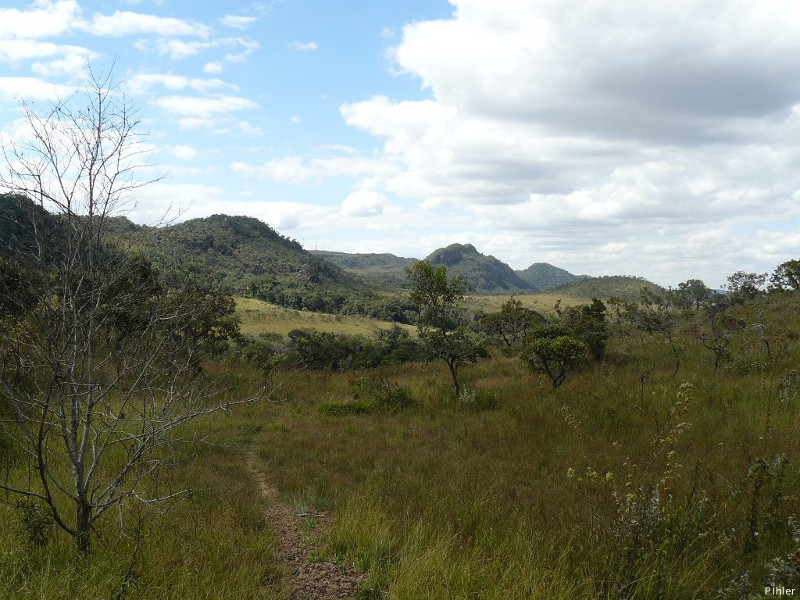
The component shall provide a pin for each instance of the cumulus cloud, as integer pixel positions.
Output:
(599, 129)
(364, 203)
(43, 19)
(31, 88)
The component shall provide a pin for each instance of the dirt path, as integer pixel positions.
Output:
(298, 535)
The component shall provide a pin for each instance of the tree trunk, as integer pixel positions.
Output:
(456, 386)
(83, 525)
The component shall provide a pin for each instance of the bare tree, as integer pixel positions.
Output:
(99, 368)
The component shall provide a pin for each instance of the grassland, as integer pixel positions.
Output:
(625, 482)
(259, 317)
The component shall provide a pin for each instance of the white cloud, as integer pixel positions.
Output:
(122, 23)
(41, 19)
(237, 22)
(300, 170)
(304, 46)
(143, 83)
(364, 203)
(52, 60)
(31, 88)
(204, 107)
(596, 129)
(213, 68)
(182, 152)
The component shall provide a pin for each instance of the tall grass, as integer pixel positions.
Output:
(625, 482)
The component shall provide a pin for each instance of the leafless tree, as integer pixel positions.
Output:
(98, 362)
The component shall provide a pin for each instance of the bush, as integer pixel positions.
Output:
(384, 394)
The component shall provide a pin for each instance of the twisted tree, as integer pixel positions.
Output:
(99, 362)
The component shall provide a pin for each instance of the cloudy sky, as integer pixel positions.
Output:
(659, 139)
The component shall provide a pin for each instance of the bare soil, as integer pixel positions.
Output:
(298, 534)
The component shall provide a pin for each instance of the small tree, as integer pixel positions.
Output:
(100, 364)
(513, 322)
(786, 277)
(656, 314)
(587, 323)
(745, 286)
(692, 294)
(441, 322)
(552, 350)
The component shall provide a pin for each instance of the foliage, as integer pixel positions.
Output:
(512, 322)
(588, 324)
(655, 313)
(386, 394)
(553, 351)
(745, 286)
(315, 350)
(441, 322)
(692, 294)
(786, 277)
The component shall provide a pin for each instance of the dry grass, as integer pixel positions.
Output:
(261, 317)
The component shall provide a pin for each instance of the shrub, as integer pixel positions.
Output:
(384, 394)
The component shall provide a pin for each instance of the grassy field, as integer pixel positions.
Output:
(625, 482)
(262, 317)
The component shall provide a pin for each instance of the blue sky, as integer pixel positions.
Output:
(603, 136)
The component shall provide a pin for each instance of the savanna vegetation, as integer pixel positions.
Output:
(642, 446)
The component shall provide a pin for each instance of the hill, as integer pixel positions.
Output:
(485, 273)
(544, 276)
(245, 256)
(626, 287)
(382, 270)
(19, 219)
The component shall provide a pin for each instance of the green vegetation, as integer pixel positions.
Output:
(484, 274)
(623, 482)
(380, 270)
(544, 276)
(441, 322)
(650, 451)
(604, 288)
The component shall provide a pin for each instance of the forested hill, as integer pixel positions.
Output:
(247, 256)
(484, 273)
(382, 270)
(544, 276)
(626, 287)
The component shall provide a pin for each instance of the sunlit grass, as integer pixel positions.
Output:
(261, 317)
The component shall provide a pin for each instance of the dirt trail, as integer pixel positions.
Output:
(307, 579)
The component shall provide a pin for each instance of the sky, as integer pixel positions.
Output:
(659, 139)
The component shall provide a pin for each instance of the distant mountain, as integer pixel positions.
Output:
(485, 273)
(625, 287)
(544, 276)
(383, 270)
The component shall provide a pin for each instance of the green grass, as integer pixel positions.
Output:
(625, 482)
